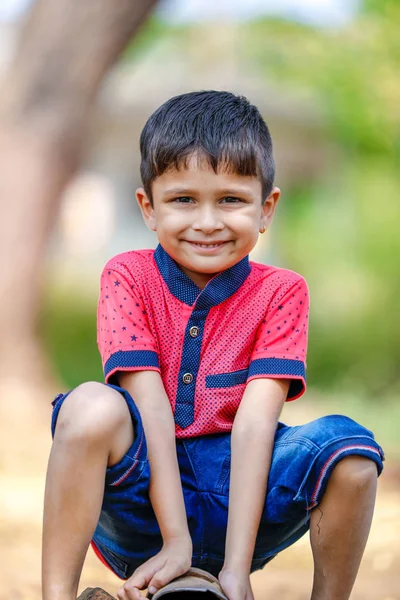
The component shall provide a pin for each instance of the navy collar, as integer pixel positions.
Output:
(218, 289)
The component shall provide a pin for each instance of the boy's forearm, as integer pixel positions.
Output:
(251, 457)
(165, 485)
(252, 442)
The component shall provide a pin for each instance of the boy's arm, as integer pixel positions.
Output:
(252, 444)
(147, 389)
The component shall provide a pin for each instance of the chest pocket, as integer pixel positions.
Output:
(226, 380)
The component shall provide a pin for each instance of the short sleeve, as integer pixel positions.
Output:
(281, 344)
(123, 334)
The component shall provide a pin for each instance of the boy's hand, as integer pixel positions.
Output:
(173, 560)
(236, 585)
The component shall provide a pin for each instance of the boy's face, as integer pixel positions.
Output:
(206, 221)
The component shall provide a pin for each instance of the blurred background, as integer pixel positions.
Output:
(325, 77)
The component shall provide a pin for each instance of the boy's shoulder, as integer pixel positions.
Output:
(274, 286)
(275, 276)
(133, 263)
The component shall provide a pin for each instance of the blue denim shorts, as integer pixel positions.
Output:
(127, 533)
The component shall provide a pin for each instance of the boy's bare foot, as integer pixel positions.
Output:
(173, 560)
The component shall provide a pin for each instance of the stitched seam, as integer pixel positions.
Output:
(192, 465)
(223, 475)
(330, 461)
(132, 467)
(347, 438)
(301, 441)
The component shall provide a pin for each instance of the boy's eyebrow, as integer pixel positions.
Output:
(177, 191)
(188, 191)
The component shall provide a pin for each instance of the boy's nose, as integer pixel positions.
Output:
(207, 220)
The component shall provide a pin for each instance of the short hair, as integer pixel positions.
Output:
(225, 129)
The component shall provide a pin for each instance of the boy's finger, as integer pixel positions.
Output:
(142, 576)
(128, 593)
(138, 580)
(164, 576)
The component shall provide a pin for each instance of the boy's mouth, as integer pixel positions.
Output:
(207, 248)
(207, 244)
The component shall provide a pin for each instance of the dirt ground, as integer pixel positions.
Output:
(288, 577)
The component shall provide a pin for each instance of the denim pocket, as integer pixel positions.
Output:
(225, 380)
(224, 475)
(130, 467)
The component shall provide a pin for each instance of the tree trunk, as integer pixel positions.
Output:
(45, 100)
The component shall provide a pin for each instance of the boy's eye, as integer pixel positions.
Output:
(231, 200)
(188, 200)
(183, 200)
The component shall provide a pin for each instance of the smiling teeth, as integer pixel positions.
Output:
(206, 245)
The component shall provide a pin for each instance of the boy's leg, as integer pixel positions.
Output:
(323, 476)
(340, 526)
(94, 430)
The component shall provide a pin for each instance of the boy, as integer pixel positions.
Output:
(200, 349)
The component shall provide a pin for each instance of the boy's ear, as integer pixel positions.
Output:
(146, 209)
(268, 208)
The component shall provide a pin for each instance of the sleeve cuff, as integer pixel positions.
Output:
(130, 360)
(281, 368)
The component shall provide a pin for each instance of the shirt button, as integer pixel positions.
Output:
(194, 331)
(187, 378)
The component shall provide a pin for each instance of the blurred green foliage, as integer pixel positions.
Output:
(153, 30)
(68, 327)
(340, 229)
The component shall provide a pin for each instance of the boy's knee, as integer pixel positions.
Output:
(92, 410)
(355, 471)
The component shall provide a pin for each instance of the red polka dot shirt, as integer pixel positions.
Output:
(249, 322)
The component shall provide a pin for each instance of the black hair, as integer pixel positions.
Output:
(221, 127)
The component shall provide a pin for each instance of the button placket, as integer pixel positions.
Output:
(190, 363)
